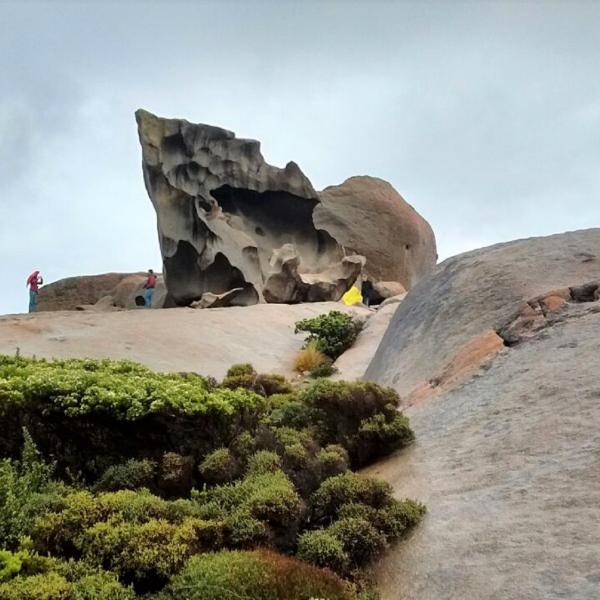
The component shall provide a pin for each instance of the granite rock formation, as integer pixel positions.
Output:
(108, 291)
(369, 217)
(497, 355)
(227, 220)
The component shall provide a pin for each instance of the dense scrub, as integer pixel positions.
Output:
(332, 333)
(123, 482)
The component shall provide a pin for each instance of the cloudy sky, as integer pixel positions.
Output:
(485, 116)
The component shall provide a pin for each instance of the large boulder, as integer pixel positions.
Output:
(99, 292)
(462, 313)
(369, 217)
(224, 215)
(498, 354)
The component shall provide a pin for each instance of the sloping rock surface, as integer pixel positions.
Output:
(508, 466)
(507, 436)
(471, 298)
(369, 217)
(179, 339)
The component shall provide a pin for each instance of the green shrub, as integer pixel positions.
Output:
(288, 411)
(64, 531)
(90, 415)
(26, 491)
(269, 497)
(47, 586)
(131, 475)
(379, 436)
(240, 369)
(257, 575)
(264, 384)
(332, 460)
(44, 578)
(220, 466)
(242, 530)
(361, 540)
(324, 370)
(348, 488)
(243, 445)
(333, 332)
(10, 564)
(146, 554)
(264, 461)
(361, 416)
(321, 548)
(398, 517)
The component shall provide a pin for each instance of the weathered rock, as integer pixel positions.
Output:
(392, 300)
(382, 290)
(367, 216)
(473, 294)
(224, 215)
(505, 457)
(99, 292)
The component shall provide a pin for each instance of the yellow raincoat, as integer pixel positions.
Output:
(352, 296)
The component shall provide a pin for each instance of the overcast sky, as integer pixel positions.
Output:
(484, 116)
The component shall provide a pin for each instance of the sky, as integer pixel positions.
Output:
(485, 116)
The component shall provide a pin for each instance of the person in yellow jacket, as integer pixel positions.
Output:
(352, 296)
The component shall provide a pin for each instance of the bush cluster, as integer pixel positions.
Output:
(332, 333)
(257, 575)
(114, 515)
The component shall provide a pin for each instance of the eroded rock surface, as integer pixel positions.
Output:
(225, 215)
(228, 220)
(369, 217)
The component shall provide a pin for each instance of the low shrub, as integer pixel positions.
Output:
(348, 488)
(269, 497)
(258, 575)
(361, 416)
(90, 415)
(310, 358)
(332, 460)
(332, 333)
(325, 370)
(10, 564)
(240, 369)
(398, 517)
(242, 530)
(131, 475)
(264, 384)
(361, 541)
(288, 411)
(26, 491)
(54, 586)
(321, 548)
(264, 461)
(220, 466)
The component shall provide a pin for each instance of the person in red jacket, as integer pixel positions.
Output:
(149, 287)
(33, 282)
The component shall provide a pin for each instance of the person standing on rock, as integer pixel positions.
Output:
(366, 291)
(149, 287)
(33, 282)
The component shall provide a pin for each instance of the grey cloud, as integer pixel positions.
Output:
(485, 116)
